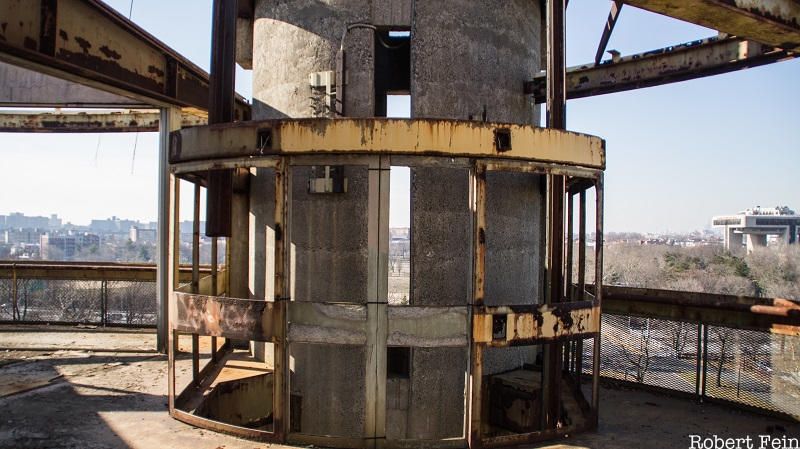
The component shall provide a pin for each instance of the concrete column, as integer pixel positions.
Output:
(755, 240)
(733, 241)
(295, 38)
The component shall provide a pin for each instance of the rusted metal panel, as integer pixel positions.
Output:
(327, 323)
(428, 327)
(524, 325)
(773, 22)
(82, 122)
(687, 61)
(386, 136)
(20, 23)
(216, 316)
(87, 42)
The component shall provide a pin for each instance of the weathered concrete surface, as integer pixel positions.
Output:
(115, 400)
(262, 233)
(329, 239)
(468, 55)
(514, 235)
(441, 237)
(436, 408)
(262, 245)
(330, 381)
(295, 38)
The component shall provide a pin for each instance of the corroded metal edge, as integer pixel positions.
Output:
(422, 137)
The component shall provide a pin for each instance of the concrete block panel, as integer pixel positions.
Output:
(329, 248)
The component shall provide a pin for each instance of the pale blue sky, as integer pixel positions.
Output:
(677, 154)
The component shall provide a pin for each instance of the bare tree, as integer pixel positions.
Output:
(725, 336)
(637, 353)
(679, 336)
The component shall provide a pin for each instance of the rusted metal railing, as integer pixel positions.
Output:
(99, 293)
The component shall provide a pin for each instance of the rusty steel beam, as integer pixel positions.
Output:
(691, 60)
(219, 198)
(774, 22)
(776, 315)
(88, 122)
(89, 271)
(88, 42)
(27, 88)
(613, 15)
(526, 325)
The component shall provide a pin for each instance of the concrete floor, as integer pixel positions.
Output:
(111, 393)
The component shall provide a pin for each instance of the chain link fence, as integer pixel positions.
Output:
(756, 369)
(98, 302)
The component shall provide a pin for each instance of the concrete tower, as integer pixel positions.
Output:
(485, 348)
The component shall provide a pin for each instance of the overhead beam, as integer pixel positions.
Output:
(773, 22)
(26, 88)
(88, 42)
(82, 122)
(696, 59)
(613, 15)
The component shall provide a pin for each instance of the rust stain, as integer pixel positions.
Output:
(110, 53)
(83, 43)
(154, 70)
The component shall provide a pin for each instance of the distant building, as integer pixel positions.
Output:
(17, 236)
(112, 225)
(142, 235)
(19, 220)
(65, 246)
(57, 247)
(54, 223)
(756, 224)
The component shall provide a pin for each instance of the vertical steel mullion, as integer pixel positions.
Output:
(568, 265)
(280, 410)
(196, 278)
(556, 119)
(196, 240)
(475, 435)
(582, 245)
(170, 120)
(214, 290)
(171, 279)
(570, 352)
(377, 299)
(598, 290)
(581, 289)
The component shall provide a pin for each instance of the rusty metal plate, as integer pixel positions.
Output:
(523, 325)
(240, 319)
(421, 137)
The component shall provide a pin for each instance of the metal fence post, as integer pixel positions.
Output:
(15, 316)
(705, 361)
(698, 359)
(104, 302)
